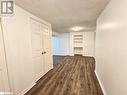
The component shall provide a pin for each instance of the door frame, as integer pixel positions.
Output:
(8, 67)
(50, 33)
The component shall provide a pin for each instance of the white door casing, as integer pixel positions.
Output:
(4, 77)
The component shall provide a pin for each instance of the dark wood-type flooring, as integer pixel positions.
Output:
(70, 76)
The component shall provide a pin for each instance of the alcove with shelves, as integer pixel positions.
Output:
(78, 43)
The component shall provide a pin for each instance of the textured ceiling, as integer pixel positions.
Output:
(63, 14)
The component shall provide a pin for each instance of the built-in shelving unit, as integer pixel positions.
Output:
(78, 43)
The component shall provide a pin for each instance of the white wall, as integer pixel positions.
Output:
(17, 37)
(55, 45)
(89, 43)
(111, 48)
(63, 44)
(55, 33)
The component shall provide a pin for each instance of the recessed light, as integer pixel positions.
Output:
(77, 28)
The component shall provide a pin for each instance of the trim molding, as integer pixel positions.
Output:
(102, 86)
(27, 89)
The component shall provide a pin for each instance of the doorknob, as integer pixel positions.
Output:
(42, 53)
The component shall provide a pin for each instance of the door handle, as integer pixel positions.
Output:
(42, 53)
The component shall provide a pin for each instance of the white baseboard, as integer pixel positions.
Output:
(27, 89)
(102, 87)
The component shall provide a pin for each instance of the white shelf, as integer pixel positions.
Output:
(78, 50)
(78, 43)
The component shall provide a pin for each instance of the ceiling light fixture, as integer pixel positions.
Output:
(76, 28)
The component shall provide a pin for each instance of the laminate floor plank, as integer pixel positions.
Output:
(71, 75)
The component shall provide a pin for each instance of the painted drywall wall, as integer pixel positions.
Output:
(55, 33)
(89, 43)
(17, 36)
(111, 48)
(55, 45)
(61, 44)
(64, 44)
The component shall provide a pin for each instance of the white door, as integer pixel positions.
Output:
(47, 47)
(4, 80)
(37, 49)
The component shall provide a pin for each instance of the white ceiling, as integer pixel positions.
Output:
(64, 14)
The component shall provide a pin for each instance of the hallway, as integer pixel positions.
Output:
(71, 76)
(63, 47)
